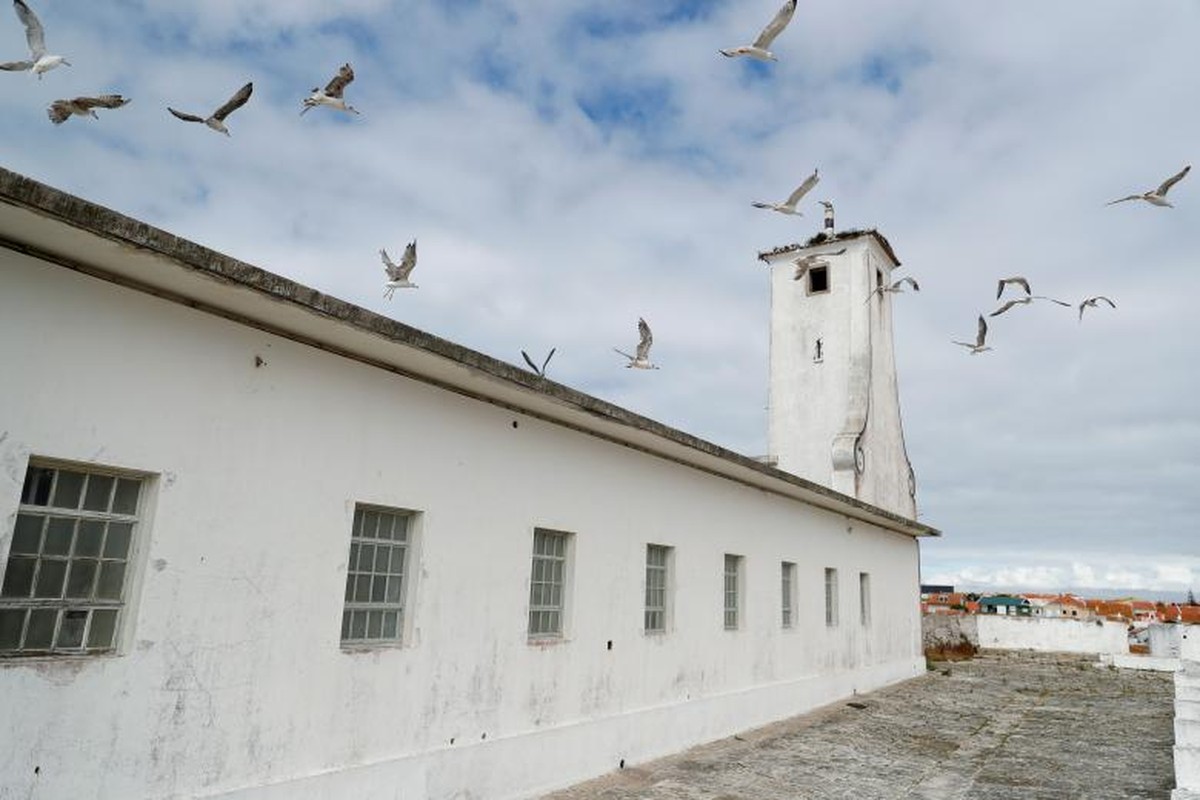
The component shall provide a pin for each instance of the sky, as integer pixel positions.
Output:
(568, 166)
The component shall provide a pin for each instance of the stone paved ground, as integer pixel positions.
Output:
(1000, 727)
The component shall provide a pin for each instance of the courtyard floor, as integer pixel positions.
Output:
(1000, 727)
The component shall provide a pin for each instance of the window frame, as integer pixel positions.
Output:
(831, 597)
(787, 594)
(864, 599)
(732, 616)
(810, 284)
(562, 606)
(665, 571)
(401, 604)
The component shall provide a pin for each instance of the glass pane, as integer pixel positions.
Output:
(116, 544)
(18, 578)
(400, 532)
(51, 576)
(126, 497)
(81, 578)
(375, 625)
(383, 554)
(397, 565)
(89, 537)
(36, 491)
(27, 535)
(41, 628)
(349, 587)
(378, 589)
(352, 564)
(99, 489)
(366, 557)
(112, 578)
(104, 625)
(362, 589)
(391, 624)
(67, 489)
(345, 625)
(11, 621)
(58, 536)
(369, 524)
(393, 590)
(70, 632)
(358, 625)
(385, 526)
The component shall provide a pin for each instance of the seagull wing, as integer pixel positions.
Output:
(910, 281)
(1019, 281)
(34, 34)
(1123, 199)
(1105, 299)
(1171, 181)
(340, 81)
(647, 339)
(59, 111)
(16, 66)
(622, 352)
(389, 266)
(101, 101)
(234, 103)
(1004, 308)
(409, 262)
(1051, 299)
(776, 26)
(803, 189)
(529, 361)
(981, 333)
(549, 356)
(756, 204)
(185, 117)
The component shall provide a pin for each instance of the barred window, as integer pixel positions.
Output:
(64, 582)
(657, 577)
(787, 574)
(732, 591)
(547, 584)
(375, 576)
(831, 597)
(864, 598)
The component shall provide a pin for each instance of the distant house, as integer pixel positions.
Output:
(1004, 604)
(945, 603)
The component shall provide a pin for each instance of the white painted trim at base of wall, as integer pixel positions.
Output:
(500, 769)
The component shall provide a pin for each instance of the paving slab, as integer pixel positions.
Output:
(1003, 726)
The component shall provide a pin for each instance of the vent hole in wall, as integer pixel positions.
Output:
(610, 644)
(483, 736)
(621, 764)
(451, 740)
(515, 425)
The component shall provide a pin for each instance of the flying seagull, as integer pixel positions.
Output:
(1018, 281)
(541, 371)
(398, 273)
(39, 60)
(789, 206)
(898, 286)
(1157, 197)
(1024, 301)
(980, 336)
(760, 47)
(331, 95)
(61, 110)
(217, 120)
(805, 263)
(1091, 302)
(642, 359)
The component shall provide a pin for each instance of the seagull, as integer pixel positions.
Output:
(1157, 197)
(898, 286)
(805, 263)
(789, 206)
(1092, 303)
(61, 110)
(774, 28)
(980, 335)
(541, 371)
(398, 273)
(217, 120)
(1024, 301)
(1000, 284)
(331, 95)
(40, 61)
(642, 359)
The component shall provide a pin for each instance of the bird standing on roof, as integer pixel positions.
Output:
(216, 120)
(398, 273)
(760, 47)
(331, 95)
(980, 336)
(1157, 197)
(789, 206)
(35, 36)
(642, 359)
(61, 110)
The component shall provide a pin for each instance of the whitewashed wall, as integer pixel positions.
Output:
(1187, 716)
(1008, 632)
(231, 681)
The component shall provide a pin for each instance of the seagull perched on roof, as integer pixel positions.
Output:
(398, 273)
(1018, 281)
(35, 36)
(1091, 302)
(980, 336)
(1157, 197)
(331, 95)
(789, 206)
(642, 359)
(217, 120)
(61, 110)
(898, 286)
(805, 263)
(1024, 301)
(760, 47)
(541, 371)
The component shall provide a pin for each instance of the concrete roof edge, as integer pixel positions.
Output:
(842, 236)
(20, 191)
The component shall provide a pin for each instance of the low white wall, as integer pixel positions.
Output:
(1187, 728)
(1051, 635)
(1165, 639)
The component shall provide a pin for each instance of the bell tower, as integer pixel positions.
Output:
(834, 405)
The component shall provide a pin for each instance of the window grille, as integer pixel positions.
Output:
(656, 588)
(375, 576)
(864, 598)
(547, 584)
(787, 571)
(732, 565)
(831, 591)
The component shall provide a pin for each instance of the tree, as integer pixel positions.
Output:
(1191, 601)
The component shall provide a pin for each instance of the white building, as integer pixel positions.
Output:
(256, 542)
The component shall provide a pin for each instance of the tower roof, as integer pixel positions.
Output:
(821, 239)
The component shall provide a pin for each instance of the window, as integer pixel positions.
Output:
(864, 598)
(375, 576)
(64, 582)
(818, 280)
(831, 591)
(547, 584)
(787, 574)
(657, 577)
(733, 566)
